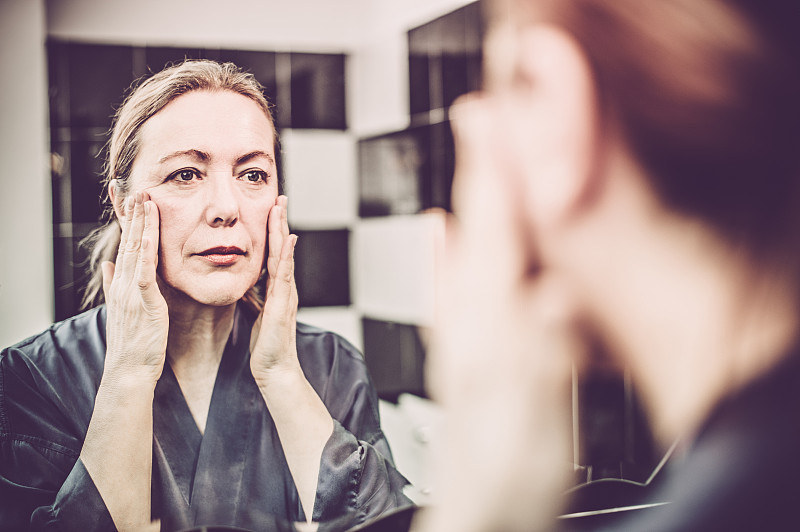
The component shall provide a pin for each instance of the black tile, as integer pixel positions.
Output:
(395, 358)
(60, 155)
(451, 32)
(317, 91)
(455, 77)
(601, 411)
(445, 59)
(63, 275)
(260, 64)
(80, 265)
(615, 438)
(443, 158)
(419, 65)
(419, 83)
(322, 268)
(86, 169)
(158, 58)
(70, 275)
(99, 76)
(394, 172)
(58, 83)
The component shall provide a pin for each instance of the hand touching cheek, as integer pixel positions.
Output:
(138, 320)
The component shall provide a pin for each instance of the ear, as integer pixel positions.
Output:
(554, 119)
(116, 201)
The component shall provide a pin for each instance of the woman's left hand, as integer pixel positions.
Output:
(272, 342)
(302, 420)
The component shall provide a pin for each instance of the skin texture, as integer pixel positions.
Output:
(205, 179)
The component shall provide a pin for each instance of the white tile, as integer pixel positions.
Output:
(321, 176)
(393, 268)
(344, 321)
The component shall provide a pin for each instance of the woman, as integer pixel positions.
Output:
(183, 398)
(629, 178)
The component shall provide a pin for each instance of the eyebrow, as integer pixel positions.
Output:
(203, 156)
(195, 154)
(253, 155)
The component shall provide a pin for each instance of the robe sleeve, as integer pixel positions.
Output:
(357, 479)
(357, 475)
(43, 484)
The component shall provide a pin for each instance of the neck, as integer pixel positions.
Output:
(198, 334)
(692, 318)
(691, 340)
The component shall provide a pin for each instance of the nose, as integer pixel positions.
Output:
(222, 203)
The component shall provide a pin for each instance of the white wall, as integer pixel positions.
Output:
(311, 25)
(26, 260)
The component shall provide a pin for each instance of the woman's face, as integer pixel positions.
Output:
(207, 160)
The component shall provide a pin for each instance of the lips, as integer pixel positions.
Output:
(222, 250)
(222, 255)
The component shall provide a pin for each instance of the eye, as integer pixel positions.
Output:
(183, 175)
(254, 176)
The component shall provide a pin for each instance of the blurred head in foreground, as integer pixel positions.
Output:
(630, 175)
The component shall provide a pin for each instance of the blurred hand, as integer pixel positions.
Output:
(502, 351)
(272, 342)
(138, 319)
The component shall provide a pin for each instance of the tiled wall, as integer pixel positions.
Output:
(402, 175)
(88, 81)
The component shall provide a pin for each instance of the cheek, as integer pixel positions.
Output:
(174, 229)
(257, 227)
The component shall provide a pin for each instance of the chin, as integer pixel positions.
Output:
(217, 300)
(216, 292)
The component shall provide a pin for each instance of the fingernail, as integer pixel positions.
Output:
(294, 241)
(147, 208)
(129, 202)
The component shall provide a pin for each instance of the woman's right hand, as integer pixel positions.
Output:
(138, 320)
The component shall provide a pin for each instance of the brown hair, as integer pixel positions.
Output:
(705, 93)
(144, 101)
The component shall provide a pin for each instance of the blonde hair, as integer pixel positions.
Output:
(145, 100)
(705, 95)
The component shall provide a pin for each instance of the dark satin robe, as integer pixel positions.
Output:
(234, 474)
(742, 470)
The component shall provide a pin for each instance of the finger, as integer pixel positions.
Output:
(133, 244)
(107, 268)
(148, 257)
(280, 297)
(284, 203)
(124, 224)
(275, 239)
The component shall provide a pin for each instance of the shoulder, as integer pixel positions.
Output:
(333, 366)
(48, 382)
(325, 354)
(325, 343)
(81, 338)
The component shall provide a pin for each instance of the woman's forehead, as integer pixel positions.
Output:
(218, 123)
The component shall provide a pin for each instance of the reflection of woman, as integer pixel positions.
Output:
(251, 417)
(630, 175)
